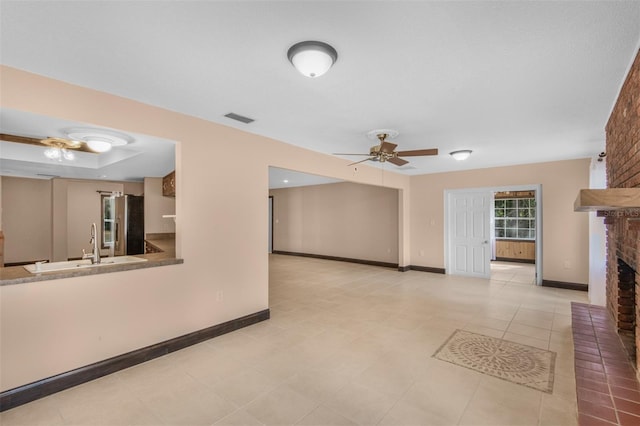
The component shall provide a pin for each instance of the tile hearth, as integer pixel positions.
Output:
(607, 389)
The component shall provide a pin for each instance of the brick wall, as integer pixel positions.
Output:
(623, 171)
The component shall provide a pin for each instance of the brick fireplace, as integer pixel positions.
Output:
(626, 307)
(623, 227)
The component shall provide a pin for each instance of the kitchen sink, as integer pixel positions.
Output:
(35, 268)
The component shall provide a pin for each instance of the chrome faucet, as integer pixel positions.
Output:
(95, 256)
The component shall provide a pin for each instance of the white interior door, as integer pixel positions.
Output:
(469, 233)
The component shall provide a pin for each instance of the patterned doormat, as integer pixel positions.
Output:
(510, 361)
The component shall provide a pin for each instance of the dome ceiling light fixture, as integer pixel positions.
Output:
(99, 144)
(461, 154)
(312, 58)
(98, 140)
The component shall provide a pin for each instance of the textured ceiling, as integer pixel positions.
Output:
(516, 81)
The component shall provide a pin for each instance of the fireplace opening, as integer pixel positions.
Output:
(627, 308)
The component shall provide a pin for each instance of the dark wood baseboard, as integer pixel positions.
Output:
(565, 285)
(36, 390)
(339, 259)
(365, 262)
(427, 269)
(510, 259)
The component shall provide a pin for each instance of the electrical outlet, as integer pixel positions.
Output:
(219, 295)
(566, 264)
(421, 252)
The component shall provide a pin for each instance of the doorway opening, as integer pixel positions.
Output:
(513, 241)
(499, 238)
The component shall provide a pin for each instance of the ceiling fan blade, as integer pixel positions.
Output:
(418, 152)
(387, 147)
(19, 139)
(35, 141)
(397, 161)
(358, 162)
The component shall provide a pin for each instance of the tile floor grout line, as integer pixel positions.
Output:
(396, 402)
(441, 295)
(466, 406)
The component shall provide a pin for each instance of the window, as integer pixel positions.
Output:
(108, 220)
(515, 218)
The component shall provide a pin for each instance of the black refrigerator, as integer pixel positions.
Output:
(129, 225)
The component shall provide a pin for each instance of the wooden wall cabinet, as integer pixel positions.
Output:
(515, 250)
(169, 185)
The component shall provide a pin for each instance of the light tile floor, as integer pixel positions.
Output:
(347, 344)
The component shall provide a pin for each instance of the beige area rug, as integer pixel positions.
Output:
(514, 362)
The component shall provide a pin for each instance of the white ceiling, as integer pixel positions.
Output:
(283, 178)
(515, 81)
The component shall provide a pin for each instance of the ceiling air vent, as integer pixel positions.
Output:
(241, 118)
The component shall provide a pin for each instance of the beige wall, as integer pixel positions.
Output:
(76, 205)
(83, 209)
(51, 219)
(26, 219)
(340, 219)
(133, 188)
(156, 205)
(221, 232)
(74, 322)
(565, 233)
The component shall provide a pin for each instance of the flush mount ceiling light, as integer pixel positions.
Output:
(59, 148)
(99, 144)
(312, 58)
(462, 154)
(98, 140)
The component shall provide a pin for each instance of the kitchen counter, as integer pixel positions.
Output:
(18, 275)
(165, 243)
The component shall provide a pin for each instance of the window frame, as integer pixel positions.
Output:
(104, 221)
(515, 218)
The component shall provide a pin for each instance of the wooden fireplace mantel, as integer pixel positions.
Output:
(607, 199)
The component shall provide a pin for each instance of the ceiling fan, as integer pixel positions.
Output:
(385, 151)
(57, 148)
(94, 141)
(50, 142)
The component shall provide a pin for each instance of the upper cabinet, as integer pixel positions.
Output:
(169, 185)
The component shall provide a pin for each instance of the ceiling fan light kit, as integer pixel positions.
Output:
(59, 148)
(312, 58)
(461, 154)
(59, 154)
